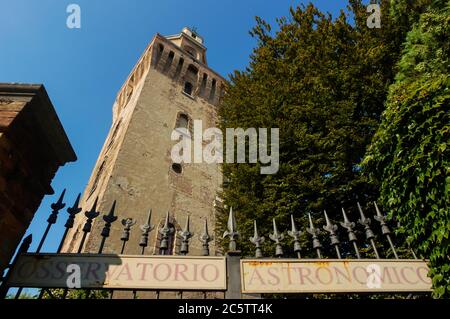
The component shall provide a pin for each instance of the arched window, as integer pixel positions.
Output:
(169, 61)
(159, 52)
(183, 121)
(188, 87)
(192, 71)
(179, 67)
(213, 91)
(203, 85)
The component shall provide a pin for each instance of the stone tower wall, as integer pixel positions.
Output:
(135, 168)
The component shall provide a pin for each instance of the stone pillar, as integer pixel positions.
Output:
(33, 145)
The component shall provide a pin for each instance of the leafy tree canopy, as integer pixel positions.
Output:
(410, 154)
(323, 82)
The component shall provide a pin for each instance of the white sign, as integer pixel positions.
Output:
(333, 275)
(120, 271)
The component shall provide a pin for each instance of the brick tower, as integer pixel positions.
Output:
(170, 87)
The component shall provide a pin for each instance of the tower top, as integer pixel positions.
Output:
(193, 34)
(191, 42)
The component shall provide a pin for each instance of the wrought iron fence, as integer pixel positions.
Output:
(232, 234)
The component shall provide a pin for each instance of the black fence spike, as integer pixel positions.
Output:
(23, 248)
(72, 211)
(382, 219)
(277, 238)
(108, 219)
(185, 235)
(205, 238)
(56, 207)
(331, 229)
(347, 224)
(90, 215)
(315, 236)
(165, 232)
(257, 240)
(232, 232)
(146, 229)
(369, 233)
(295, 234)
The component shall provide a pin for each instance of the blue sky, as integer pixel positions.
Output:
(82, 69)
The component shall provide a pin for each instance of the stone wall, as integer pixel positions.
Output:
(33, 145)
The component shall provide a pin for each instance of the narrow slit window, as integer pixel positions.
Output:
(188, 87)
(179, 67)
(203, 85)
(169, 61)
(213, 90)
(183, 121)
(159, 52)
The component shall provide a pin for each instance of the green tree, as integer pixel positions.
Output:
(410, 153)
(323, 82)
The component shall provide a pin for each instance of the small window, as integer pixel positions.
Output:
(203, 86)
(183, 121)
(188, 88)
(177, 168)
(179, 67)
(213, 90)
(169, 61)
(159, 53)
(192, 71)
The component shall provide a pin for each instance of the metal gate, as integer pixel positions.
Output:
(230, 276)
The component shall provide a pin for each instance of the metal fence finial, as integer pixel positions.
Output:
(257, 241)
(185, 235)
(351, 234)
(231, 231)
(127, 223)
(146, 229)
(295, 234)
(75, 209)
(23, 248)
(315, 233)
(56, 207)
(165, 231)
(90, 215)
(25, 244)
(59, 204)
(277, 238)
(331, 229)
(205, 238)
(108, 219)
(382, 219)
(369, 233)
